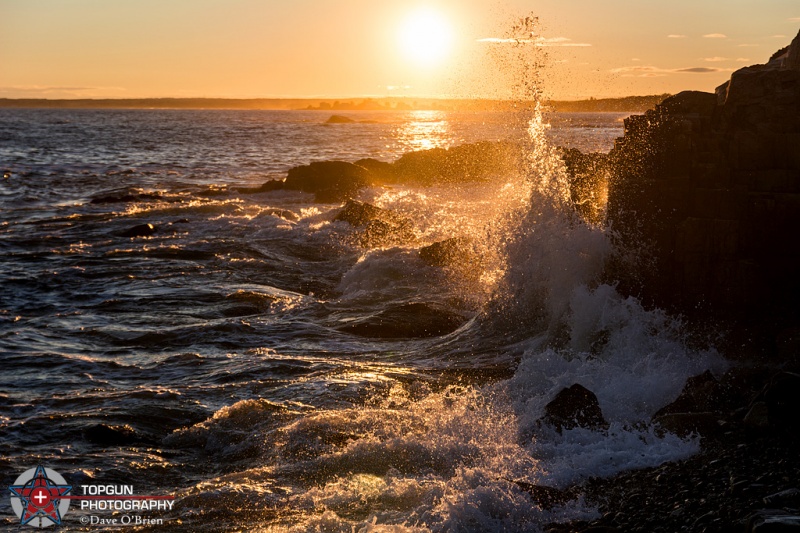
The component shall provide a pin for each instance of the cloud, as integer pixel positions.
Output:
(649, 71)
(794, 19)
(779, 36)
(715, 59)
(743, 59)
(715, 36)
(748, 45)
(676, 36)
(701, 70)
(538, 41)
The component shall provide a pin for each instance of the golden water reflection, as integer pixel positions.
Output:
(424, 130)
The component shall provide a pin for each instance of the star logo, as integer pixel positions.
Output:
(36, 497)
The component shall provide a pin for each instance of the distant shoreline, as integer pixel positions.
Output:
(628, 103)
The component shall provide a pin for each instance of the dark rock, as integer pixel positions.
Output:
(785, 498)
(757, 416)
(773, 521)
(413, 320)
(683, 424)
(269, 186)
(469, 162)
(330, 181)
(703, 199)
(700, 394)
(383, 172)
(140, 230)
(125, 197)
(782, 397)
(454, 251)
(380, 227)
(339, 119)
(575, 406)
(588, 182)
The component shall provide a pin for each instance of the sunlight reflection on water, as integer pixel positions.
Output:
(424, 130)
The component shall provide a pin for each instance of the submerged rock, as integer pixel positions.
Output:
(413, 321)
(140, 230)
(269, 186)
(700, 393)
(572, 407)
(105, 435)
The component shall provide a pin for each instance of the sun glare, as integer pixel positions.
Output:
(425, 37)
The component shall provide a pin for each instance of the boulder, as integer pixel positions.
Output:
(330, 181)
(379, 227)
(701, 393)
(684, 424)
(408, 321)
(449, 252)
(572, 407)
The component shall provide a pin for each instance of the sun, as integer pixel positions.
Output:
(425, 37)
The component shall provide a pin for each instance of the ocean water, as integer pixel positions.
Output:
(215, 360)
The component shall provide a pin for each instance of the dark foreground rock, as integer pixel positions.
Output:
(574, 406)
(704, 198)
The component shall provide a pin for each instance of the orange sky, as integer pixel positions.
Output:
(347, 48)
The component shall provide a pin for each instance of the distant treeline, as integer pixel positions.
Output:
(628, 103)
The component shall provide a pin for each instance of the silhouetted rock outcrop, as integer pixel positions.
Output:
(337, 181)
(704, 197)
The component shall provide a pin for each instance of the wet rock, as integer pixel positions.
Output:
(269, 186)
(383, 171)
(575, 406)
(588, 182)
(782, 397)
(757, 416)
(140, 230)
(773, 521)
(449, 252)
(700, 393)
(784, 498)
(703, 197)
(380, 227)
(330, 181)
(339, 119)
(125, 197)
(683, 424)
(468, 162)
(413, 320)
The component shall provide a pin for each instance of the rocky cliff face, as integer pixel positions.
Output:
(704, 196)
